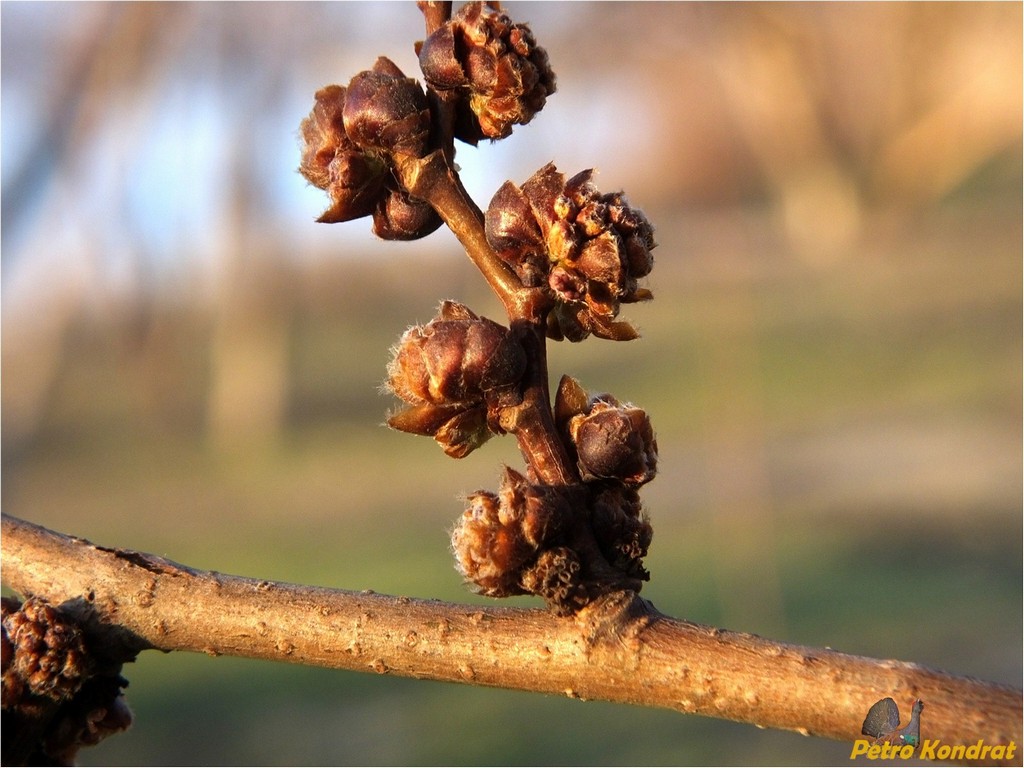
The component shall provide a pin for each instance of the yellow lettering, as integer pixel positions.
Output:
(860, 746)
(928, 749)
(933, 749)
(874, 752)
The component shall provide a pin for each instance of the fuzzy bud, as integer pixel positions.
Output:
(488, 553)
(44, 653)
(457, 357)
(502, 76)
(590, 249)
(58, 694)
(353, 180)
(456, 372)
(499, 535)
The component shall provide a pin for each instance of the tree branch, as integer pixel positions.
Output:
(619, 649)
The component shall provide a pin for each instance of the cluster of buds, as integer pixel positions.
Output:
(570, 543)
(456, 373)
(566, 544)
(56, 698)
(349, 143)
(494, 69)
(589, 249)
(489, 70)
(562, 257)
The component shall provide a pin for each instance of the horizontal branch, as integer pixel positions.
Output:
(620, 650)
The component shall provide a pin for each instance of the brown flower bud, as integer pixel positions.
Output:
(488, 552)
(386, 111)
(56, 699)
(621, 528)
(456, 358)
(589, 249)
(47, 655)
(400, 217)
(615, 441)
(556, 577)
(501, 74)
(611, 439)
(330, 161)
(457, 372)
(499, 535)
(347, 141)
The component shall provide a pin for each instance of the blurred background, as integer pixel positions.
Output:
(192, 366)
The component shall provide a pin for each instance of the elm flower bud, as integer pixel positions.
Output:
(332, 162)
(556, 576)
(46, 655)
(498, 537)
(590, 249)
(56, 697)
(611, 439)
(488, 553)
(456, 372)
(501, 75)
(402, 217)
(621, 528)
(386, 111)
(346, 143)
(455, 358)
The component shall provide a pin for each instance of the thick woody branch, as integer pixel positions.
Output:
(619, 649)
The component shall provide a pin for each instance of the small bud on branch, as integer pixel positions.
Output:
(500, 76)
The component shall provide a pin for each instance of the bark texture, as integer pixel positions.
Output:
(619, 649)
